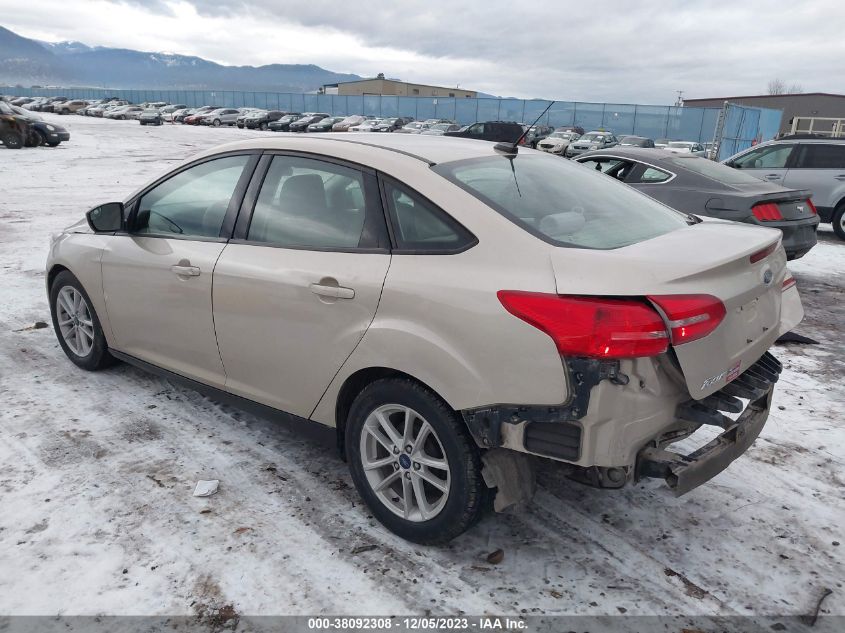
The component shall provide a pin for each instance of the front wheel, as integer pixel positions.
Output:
(413, 462)
(216, 123)
(838, 221)
(264, 127)
(76, 324)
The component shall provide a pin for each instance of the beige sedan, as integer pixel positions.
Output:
(454, 309)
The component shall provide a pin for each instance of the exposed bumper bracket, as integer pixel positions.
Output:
(685, 472)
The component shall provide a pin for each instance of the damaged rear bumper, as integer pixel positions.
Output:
(685, 472)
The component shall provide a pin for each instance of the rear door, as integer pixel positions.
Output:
(819, 167)
(298, 286)
(770, 162)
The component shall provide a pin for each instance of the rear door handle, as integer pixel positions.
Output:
(186, 271)
(335, 292)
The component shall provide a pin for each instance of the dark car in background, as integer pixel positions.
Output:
(325, 125)
(282, 124)
(598, 139)
(262, 120)
(49, 134)
(391, 124)
(301, 125)
(635, 141)
(496, 131)
(695, 185)
(537, 133)
(150, 116)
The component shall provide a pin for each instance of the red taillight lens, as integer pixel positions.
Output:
(813, 209)
(690, 317)
(766, 212)
(756, 257)
(788, 283)
(589, 326)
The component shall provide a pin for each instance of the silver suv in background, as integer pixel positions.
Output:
(802, 163)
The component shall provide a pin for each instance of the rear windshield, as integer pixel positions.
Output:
(712, 170)
(562, 203)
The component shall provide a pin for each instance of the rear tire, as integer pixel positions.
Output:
(838, 221)
(76, 324)
(436, 448)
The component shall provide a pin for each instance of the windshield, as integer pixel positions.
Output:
(680, 145)
(714, 171)
(441, 126)
(563, 135)
(561, 203)
(413, 126)
(590, 136)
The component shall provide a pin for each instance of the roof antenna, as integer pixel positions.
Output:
(513, 148)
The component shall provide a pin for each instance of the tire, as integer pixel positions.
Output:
(34, 139)
(216, 123)
(142, 123)
(12, 140)
(54, 143)
(263, 127)
(450, 512)
(838, 221)
(82, 340)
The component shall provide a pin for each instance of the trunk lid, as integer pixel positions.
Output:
(713, 258)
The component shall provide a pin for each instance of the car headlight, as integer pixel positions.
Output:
(51, 128)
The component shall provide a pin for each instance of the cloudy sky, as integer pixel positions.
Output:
(640, 51)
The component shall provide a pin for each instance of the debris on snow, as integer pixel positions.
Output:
(206, 488)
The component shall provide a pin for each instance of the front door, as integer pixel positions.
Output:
(157, 277)
(295, 296)
(769, 163)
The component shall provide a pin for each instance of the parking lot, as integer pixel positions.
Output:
(97, 471)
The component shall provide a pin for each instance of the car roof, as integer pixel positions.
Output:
(431, 149)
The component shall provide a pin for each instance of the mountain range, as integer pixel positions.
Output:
(30, 62)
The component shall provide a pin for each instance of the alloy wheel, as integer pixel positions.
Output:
(75, 321)
(405, 463)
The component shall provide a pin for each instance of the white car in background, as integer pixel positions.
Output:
(557, 142)
(685, 147)
(451, 308)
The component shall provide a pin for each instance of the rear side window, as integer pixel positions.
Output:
(821, 156)
(563, 203)
(652, 174)
(420, 226)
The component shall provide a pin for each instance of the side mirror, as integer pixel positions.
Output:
(107, 218)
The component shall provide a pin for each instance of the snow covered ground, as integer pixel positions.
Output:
(97, 471)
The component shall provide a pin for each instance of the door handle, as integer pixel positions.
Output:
(186, 271)
(773, 176)
(840, 177)
(335, 292)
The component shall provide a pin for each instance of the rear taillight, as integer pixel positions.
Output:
(590, 326)
(756, 257)
(813, 209)
(767, 212)
(788, 283)
(690, 317)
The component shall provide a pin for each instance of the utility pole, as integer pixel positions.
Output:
(680, 100)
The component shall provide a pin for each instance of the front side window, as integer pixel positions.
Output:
(308, 203)
(561, 202)
(192, 203)
(821, 156)
(773, 157)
